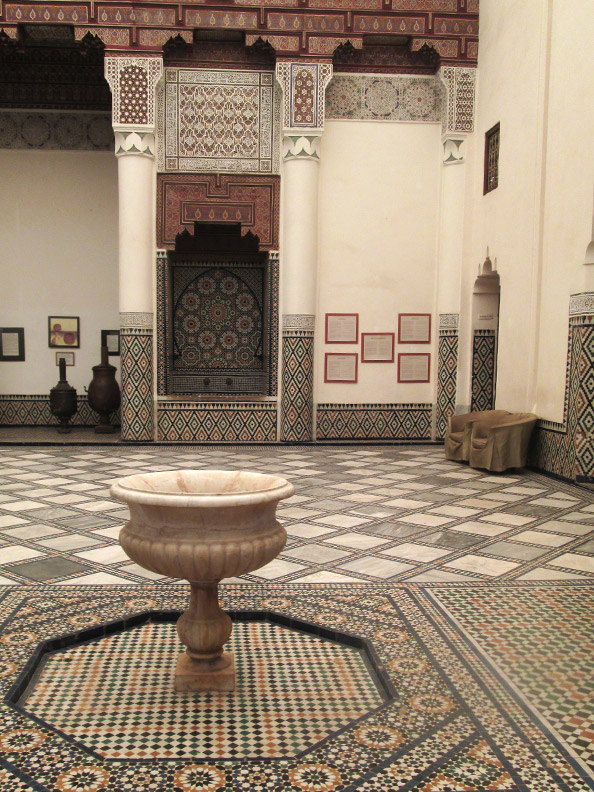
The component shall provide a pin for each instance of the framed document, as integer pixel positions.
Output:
(342, 328)
(414, 367)
(414, 328)
(12, 343)
(111, 339)
(68, 357)
(377, 347)
(340, 368)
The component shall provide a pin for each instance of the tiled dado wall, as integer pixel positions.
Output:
(20, 410)
(216, 422)
(567, 449)
(374, 421)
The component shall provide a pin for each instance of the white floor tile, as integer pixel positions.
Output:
(342, 520)
(377, 567)
(542, 538)
(416, 552)
(504, 518)
(12, 553)
(483, 566)
(326, 576)
(276, 569)
(96, 579)
(357, 541)
(113, 554)
(429, 520)
(482, 529)
(574, 561)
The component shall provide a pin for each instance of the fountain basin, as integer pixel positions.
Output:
(202, 526)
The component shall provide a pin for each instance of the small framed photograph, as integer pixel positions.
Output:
(64, 331)
(111, 339)
(340, 368)
(12, 343)
(377, 347)
(68, 357)
(414, 367)
(342, 328)
(414, 328)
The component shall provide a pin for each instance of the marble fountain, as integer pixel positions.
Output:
(202, 526)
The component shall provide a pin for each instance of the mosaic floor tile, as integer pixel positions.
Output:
(477, 702)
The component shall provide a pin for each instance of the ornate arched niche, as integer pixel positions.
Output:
(217, 314)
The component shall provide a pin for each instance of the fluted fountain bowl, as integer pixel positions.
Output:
(203, 525)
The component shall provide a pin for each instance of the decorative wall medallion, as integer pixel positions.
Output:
(133, 82)
(251, 200)
(383, 98)
(57, 131)
(219, 120)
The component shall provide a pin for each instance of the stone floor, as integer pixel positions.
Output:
(428, 628)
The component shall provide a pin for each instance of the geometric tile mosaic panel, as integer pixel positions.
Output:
(458, 719)
(137, 383)
(483, 370)
(293, 690)
(216, 422)
(447, 370)
(252, 200)
(567, 449)
(297, 386)
(383, 97)
(164, 312)
(219, 120)
(26, 410)
(374, 421)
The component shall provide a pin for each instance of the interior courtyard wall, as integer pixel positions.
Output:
(378, 215)
(568, 193)
(59, 226)
(511, 91)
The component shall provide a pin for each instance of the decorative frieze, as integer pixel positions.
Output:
(219, 120)
(299, 322)
(383, 98)
(304, 86)
(581, 304)
(136, 319)
(133, 82)
(458, 98)
(448, 321)
(56, 131)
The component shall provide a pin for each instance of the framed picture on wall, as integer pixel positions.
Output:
(340, 368)
(12, 343)
(342, 328)
(377, 347)
(414, 328)
(111, 339)
(414, 367)
(68, 357)
(64, 331)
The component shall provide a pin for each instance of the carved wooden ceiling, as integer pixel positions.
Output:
(309, 29)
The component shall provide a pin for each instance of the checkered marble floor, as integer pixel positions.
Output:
(363, 514)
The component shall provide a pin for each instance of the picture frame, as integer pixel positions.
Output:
(63, 331)
(377, 347)
(414, 328)
(12, 344)
(414, 367)
(68, 357)
(342, 328)
(341, 367)
(111, 339)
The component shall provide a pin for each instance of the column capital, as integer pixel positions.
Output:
(133, 81)
(304, 87)
(297, 146)
(454, 148)
(457, 98)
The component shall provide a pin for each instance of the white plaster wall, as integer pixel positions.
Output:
(59, 256)
(568, 191)
(535, 77)
(378, 215)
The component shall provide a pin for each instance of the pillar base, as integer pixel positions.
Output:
(191, 677)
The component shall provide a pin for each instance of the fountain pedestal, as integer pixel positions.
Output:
(203, 525)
